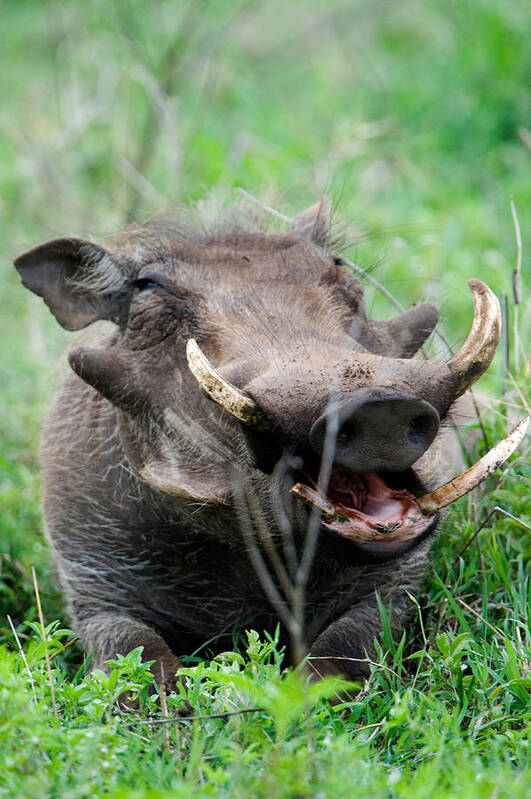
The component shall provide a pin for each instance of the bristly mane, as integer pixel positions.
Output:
(205, 223)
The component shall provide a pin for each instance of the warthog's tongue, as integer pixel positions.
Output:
(365, 509)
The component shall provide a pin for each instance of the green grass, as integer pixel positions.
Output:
(415, 118)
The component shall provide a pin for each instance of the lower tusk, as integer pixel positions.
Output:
(313, 499)
(465, 482)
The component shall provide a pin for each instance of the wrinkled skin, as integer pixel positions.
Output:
(141, 470)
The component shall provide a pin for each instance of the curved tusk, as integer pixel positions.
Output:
(484, 467)
(476, 354)
(221, 391)
(314, 500)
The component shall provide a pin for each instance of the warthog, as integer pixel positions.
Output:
(243, 447)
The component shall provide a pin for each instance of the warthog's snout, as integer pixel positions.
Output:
(375, 432)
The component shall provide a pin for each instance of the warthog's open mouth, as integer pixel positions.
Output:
(370, 510)
(381, 513)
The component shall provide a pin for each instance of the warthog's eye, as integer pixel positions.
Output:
(149, 282)
(158, 308)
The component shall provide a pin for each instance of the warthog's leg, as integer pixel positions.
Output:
(109, 634)
(346, 646)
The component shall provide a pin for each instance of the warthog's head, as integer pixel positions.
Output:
(251, 354)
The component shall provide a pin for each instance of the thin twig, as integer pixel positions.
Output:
(291, 608)
(516, 273)
(516, 284)
(480, 419)
(45, 641)
(266, 539)
(426, 650)
(369, 726)
(283, 465)
(260, 567)
(478, 543)
(496, 509)
(487, 403)
(365, 275)
(325, 470)
(521, 397)
(351, 264)
(506, 343)
(372, 280)
(312, 532)
(480, 617)
(205, 717)
(164, 706)
(357, 660)
(421, 620)
(267, 208)
(26, 664)
(64, 647)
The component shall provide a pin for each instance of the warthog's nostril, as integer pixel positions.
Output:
(422, 427)
(345, 437)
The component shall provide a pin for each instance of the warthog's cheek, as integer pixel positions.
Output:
(150, 322)
(154, 316)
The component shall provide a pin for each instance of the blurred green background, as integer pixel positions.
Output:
(413, 117)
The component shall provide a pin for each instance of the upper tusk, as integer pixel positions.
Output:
(476, 354)
(484, 467)
(221, 391)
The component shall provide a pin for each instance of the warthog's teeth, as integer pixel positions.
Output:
(315, 500)
(484, 467)
(221, 391)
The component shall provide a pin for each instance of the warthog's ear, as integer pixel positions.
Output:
(79, 281)
(313, 223)
(400, 337)
(408, 332)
